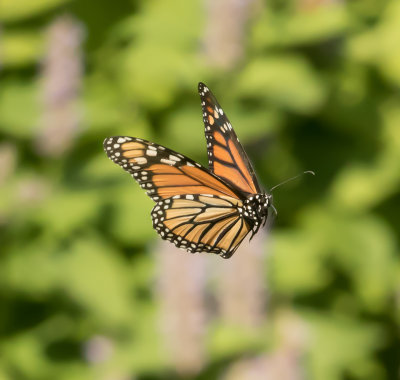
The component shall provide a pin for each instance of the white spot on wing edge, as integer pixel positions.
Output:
(172, 157)
(168, 162)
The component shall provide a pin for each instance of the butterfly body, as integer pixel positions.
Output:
(198, 209)
(256, 208)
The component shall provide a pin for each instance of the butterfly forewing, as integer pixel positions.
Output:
(161, 172)
(227, 158)
(201, 223)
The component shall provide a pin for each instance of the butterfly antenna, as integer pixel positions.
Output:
(291, 179)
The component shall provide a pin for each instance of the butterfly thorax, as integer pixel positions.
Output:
(255, 209)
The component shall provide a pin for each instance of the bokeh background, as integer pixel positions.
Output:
(89, 291)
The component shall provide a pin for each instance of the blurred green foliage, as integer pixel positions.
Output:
(316, 89)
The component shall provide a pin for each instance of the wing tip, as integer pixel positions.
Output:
(111, 145)
(202, 87)
(107, 144)
(109, 140)
(119, 140)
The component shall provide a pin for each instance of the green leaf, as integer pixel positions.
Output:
(301, 27)
(341, 345)
(66, 211)
(287, 81)
(378, 45)
(19, 108)
(15, 10)
(296, 266)
(21, 48)
(95, 277)
(367, 250)
(131, 223)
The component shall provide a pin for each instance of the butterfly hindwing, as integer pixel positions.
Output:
(201, 223)
(161, 172)
(227, 158)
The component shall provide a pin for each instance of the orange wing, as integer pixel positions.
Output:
(201, 223)
(163, 173)
(227, 158)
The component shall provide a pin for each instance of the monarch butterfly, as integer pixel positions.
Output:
(198, 209)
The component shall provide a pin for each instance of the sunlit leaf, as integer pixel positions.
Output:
(287, 81)
(305, 27)
(13, 10)
(94, 273)
(21, 48)
(341, 345)
(19, 108)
